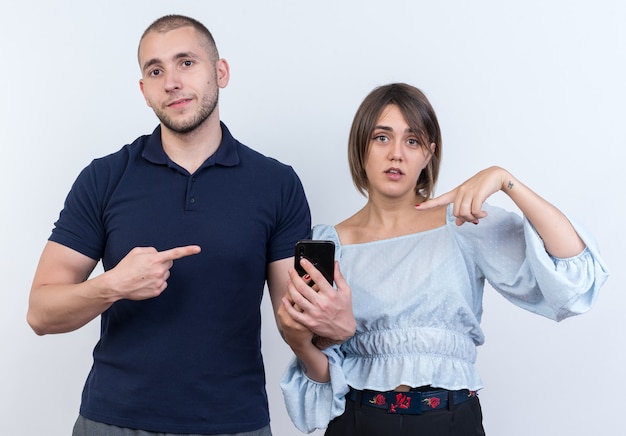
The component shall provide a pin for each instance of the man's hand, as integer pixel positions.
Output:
(63, 299)
(144, 271)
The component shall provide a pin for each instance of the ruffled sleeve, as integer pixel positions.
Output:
(312, 405)
(509, 252)
(569, 286)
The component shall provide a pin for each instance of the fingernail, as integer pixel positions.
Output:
(475, 222)
(417, 205)
(306, 277)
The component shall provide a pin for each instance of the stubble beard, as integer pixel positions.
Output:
(183, 127)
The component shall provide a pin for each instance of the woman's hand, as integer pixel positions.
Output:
(469, 197)
(324, 310)
(295, 334)
(300, 338)
(557, 233)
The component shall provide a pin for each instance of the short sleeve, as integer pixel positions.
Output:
(294, 219)
(80, 225)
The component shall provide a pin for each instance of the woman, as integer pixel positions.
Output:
(415, 272)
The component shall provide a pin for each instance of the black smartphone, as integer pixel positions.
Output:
(320, 253)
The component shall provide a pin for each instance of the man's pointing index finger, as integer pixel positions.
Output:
(179, 252)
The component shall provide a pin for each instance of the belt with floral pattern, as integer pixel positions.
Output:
(412, 402)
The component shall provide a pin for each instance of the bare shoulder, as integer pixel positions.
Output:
(351, 230)
(432, 218)
(361, 228)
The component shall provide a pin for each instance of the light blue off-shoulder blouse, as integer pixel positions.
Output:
(417, 300)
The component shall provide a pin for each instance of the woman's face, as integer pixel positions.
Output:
(395, 157)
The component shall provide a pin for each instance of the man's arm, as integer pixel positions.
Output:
(277, 278)
(63, 299)
(312, 361)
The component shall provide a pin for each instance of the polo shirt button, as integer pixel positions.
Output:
(192, 200)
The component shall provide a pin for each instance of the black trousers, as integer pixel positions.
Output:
(464, 419)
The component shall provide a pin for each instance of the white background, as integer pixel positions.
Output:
(535, 86)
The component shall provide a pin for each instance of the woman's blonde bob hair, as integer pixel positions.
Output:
(419, 115)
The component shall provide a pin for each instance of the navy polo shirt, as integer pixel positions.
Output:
(188, 361)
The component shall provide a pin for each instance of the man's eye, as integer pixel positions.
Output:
(187, 63)
(155, 73)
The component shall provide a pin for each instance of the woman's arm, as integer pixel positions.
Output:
(313, 363)
(558, 235)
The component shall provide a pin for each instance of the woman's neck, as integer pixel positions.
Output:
(379, 220)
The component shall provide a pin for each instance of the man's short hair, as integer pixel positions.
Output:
(172, 22)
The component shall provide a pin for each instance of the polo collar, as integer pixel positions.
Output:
(225, 155)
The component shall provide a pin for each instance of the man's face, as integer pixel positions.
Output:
(180, 81)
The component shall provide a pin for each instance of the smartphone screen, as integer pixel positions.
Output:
(320, 253)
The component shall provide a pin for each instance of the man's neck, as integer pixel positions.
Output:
(191, 150)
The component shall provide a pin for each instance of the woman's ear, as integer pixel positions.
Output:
(432, 147)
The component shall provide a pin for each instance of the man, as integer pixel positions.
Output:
(189, 224)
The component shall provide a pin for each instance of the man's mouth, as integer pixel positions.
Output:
(179, 102)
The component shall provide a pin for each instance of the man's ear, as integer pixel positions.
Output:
(143, 93)
(223, 73)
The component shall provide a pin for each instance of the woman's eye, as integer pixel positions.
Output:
(413, 142)
(380, 138)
